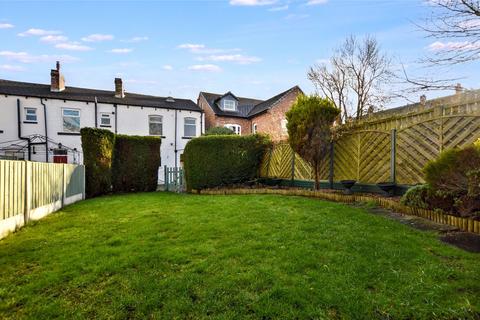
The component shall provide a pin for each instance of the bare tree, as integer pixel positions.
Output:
(356, 77)
(456, 26)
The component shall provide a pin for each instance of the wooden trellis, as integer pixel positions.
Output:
(394, 145)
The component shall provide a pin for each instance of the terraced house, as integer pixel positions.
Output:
(246, 115)
(42, 122)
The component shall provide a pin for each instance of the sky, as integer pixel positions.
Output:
(254, 48)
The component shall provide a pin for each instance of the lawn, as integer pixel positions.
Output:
(160, 255)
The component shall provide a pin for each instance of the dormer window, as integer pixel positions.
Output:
(229, 105)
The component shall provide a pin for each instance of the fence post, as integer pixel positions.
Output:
(393, 155)
(330, 174)
(165, 179)
(84, 194)
(293, 168)
(28, 192)
(270, 151)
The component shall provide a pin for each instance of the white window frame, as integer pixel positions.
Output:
(155, 118)
(254, 128)
(283, 124)
(236, 128)
(27, 113)
(104, 116)
(231, 106)
(185, 124)
(69, 116)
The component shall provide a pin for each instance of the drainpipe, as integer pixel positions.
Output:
(201, 123)
(46, 131)
(116, 112)
(20, 131)
(96, 115)
(176, 138)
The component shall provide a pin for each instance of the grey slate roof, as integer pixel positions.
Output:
(88, 95)
(247, 107)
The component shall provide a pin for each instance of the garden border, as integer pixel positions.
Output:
(464, 224)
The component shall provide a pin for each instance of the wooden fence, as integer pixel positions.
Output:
(392, 145)
(31, 190)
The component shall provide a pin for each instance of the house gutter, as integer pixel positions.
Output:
(46, 130)
(20, 131)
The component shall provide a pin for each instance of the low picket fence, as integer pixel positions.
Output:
(464, 224)
(32, 190)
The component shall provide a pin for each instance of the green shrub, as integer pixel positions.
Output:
(218, 131)
(97, 145)
(212, 161)
(136, 161)
(417, 196)
(455, 180)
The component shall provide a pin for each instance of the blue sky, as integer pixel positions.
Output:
(254, 48)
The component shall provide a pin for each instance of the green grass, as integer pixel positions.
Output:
(160, 255)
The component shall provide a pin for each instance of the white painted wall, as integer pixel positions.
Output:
(131, 120)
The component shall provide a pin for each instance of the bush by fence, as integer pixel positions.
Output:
(97, 145)
(135, 163)
(212, 161)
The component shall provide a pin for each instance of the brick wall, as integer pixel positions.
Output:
(270, 122)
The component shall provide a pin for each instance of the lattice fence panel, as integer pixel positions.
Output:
(460, 131)
(303, 170)
(374, 158)
(346, 157)
(416, 145)
(280, 165)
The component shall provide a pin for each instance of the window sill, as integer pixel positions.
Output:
(104, 126)
(188, 138)
(68, 133)
(30, 122)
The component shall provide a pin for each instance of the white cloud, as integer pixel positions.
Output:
(135, 39)
(316, 2)
(167, 67)
(202, 49)
(73, 46)
(205, 67)
(121, 50)
(38, 32)
(322, 61)
(281, 8)
(237, 58)
(457, 46)
(97, 37)
(9, 67)
(252, 2)
(25, 57)
(295, 16)
(192, 47)
(6, 25)
(53, 39)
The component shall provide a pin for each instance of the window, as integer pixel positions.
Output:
(237, 129)
(229, 105)
(71, 120)
(284, 126)
(155, 125)
(254, 128)
(190, 127)
(30, 114)
(105, 120)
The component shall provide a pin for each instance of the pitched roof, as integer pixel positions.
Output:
(88, 95)
(247, 107)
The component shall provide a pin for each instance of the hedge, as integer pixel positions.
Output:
(135, 165)
(212, 161)
(97, 145)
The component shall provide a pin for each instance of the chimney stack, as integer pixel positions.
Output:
(423, 99)
(458, 88)
(119, 92)
(57, 82)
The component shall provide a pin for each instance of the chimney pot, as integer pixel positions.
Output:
(119, 92)
(458, 88)
(57, 81)
(423, 99)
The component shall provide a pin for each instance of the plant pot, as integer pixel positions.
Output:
(348, 184)
(387, 187)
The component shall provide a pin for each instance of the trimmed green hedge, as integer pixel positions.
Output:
(97, 145)
(212, 161)
(136, 161)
